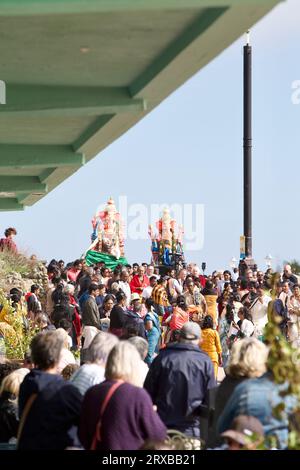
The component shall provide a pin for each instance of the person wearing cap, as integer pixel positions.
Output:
(246, 433)
(132, 316)
(135, 300)
(178, 381)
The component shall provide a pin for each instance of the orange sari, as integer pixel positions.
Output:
(179, 318)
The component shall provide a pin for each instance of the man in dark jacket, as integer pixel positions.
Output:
(49, 407)
(90, 313)
(178, 381)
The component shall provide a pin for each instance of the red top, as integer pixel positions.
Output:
(138, 286)
(77, 320)
(73, 274)
(8, 244)
(202, 280)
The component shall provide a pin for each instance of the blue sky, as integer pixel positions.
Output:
(189, 151)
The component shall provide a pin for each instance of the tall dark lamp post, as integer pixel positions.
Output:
(247, 146)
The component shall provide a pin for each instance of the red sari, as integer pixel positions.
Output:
(77, 319)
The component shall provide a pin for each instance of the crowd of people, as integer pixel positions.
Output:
(123, 356)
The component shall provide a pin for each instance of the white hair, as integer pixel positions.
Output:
(69, 289)
(101, 346)
(124, 363)
(141, 345)
(248, 358)
(196, 270)
(61, 333)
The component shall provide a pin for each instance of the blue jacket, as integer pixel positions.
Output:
(51, 423)
(258, 397)
(83, 298)
(133, 318)
(178, 381)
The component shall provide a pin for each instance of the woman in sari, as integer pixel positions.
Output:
(211, 343)
(180, 315)
(210, 295)
(224, 332)
(152, 326)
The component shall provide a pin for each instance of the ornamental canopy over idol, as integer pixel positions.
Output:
(167, 243)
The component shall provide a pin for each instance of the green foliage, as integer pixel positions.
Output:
(284, 362)
(76, 354)
(16, 329)
(15, 262)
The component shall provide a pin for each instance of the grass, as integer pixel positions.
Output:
(15, 262)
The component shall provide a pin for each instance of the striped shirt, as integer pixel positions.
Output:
(159, 295)
(87, 376)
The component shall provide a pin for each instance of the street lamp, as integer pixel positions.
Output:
(268, 260)
(233, 263)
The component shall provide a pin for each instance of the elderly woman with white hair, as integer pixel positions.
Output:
(93, 371)
(66, 357)
(258, 395)
(118, 414)
(248, 359)
(9, 393)
(76, 321)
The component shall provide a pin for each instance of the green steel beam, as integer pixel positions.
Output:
(41, 156)
(99, 122)
(22, 196)
(22, 183)
(10, 204)
(45, 174)
(46, 7)
(203, 22)
(41, 100)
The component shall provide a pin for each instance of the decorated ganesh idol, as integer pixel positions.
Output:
(107, 237)
(166, 242)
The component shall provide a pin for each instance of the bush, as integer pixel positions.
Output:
(11, 262)
(15, 328)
